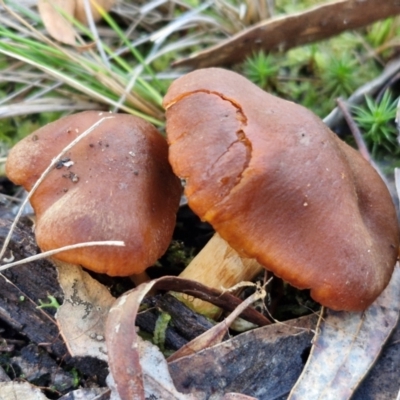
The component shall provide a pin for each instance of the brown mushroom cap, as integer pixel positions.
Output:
(120, 187)
(279, 186)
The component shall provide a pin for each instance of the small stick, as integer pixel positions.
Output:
(362, 148)
(43, 176)
(215, 335)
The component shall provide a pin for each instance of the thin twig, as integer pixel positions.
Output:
(362, 148)
(61, 249)
(355, 131)
(43, 176)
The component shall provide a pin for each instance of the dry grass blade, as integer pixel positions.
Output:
(60, 250)
(93, 28)
(102, 78)
(45, 105)
(113, 62)
(183, 21)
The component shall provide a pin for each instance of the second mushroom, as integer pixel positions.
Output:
(280, 188)
(114, 184)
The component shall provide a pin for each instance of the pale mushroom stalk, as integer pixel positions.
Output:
(218, 266)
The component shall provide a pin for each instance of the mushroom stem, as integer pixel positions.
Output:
(138, 279)
(220, 267)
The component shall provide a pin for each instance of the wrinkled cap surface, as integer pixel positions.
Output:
(115, 184)
(279, 186)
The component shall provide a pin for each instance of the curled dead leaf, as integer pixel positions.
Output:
(124, 345)
(81, 318)
(53, 15)
(347, 346)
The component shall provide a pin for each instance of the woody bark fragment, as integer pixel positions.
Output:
(285, 32)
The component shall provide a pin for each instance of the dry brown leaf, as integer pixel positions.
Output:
(216, 334)
(282, 33)
(58, 26)
(156, 378)
(138, 368)
(123, 343)
(264, 362)
(82, 316)
(347, 346)
(20, 391)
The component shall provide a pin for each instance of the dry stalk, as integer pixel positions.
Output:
(61, 249)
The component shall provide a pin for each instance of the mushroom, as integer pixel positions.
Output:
(279, 187)
(114, 184)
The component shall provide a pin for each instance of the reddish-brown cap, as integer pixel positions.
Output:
(115, 184)
(279, 186)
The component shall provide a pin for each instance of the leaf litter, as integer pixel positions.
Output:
(347, 345)
(356, 337)
(81, 317)
(132, 375)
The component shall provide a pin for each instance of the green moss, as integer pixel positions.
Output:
(14, 129)
(376, 120)
(314, 75)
